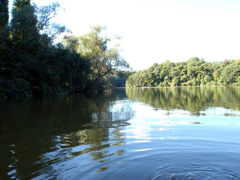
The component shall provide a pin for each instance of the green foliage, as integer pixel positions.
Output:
(194, 72)
(118, 79)
(230, 74)
(32, 65)
(19, 4)
(104, 61)
(3, 13)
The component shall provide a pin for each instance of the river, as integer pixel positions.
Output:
(135, 133)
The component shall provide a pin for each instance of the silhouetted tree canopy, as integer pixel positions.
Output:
(3, 13)
(32, 65)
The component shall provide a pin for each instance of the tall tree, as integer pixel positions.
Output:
(18, 4)
(3, 13)
(94, 47)
(24, 22)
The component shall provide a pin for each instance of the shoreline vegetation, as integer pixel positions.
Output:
(32, 65)
(194, 72)
(149, 87)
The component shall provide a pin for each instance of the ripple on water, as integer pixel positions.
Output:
(194, 173)
(172, 166)
(219, 165)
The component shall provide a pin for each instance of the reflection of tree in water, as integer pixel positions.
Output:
(36, 135)
(104, 131)
(193, 99)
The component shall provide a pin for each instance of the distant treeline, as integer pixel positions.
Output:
(31, 64)
(194, 72)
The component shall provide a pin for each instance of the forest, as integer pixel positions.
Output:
(33, 64)
(194, 72)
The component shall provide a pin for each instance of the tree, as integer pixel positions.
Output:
(19, 4)
(194, 72)
(44, 25)
(29, 22)
(3, 13)
(24, 35)
(28, 58)
(175, 82)
(94, 47)
(230, 74)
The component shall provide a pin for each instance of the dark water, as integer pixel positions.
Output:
(166, 133)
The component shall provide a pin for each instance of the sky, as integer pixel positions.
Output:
(154, 31)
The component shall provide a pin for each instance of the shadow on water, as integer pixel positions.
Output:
(34, 135)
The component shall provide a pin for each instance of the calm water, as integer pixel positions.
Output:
(166, 133)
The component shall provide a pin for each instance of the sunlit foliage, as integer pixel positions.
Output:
(194, 72)
(105, 61)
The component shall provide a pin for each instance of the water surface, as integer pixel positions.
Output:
(151, 133)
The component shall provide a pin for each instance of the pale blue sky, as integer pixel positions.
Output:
(160, 30)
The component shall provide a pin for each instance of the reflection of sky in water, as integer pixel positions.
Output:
(220, 111)
(149, 125)
(140, 132)
(146, 115)
(136, 130)
(107, 137)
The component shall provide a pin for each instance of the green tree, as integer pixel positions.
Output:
(28, 57)
(104, 60)
(175, 82)
(3, 13)
(230, 74)
(24, 32)
(19, 4)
